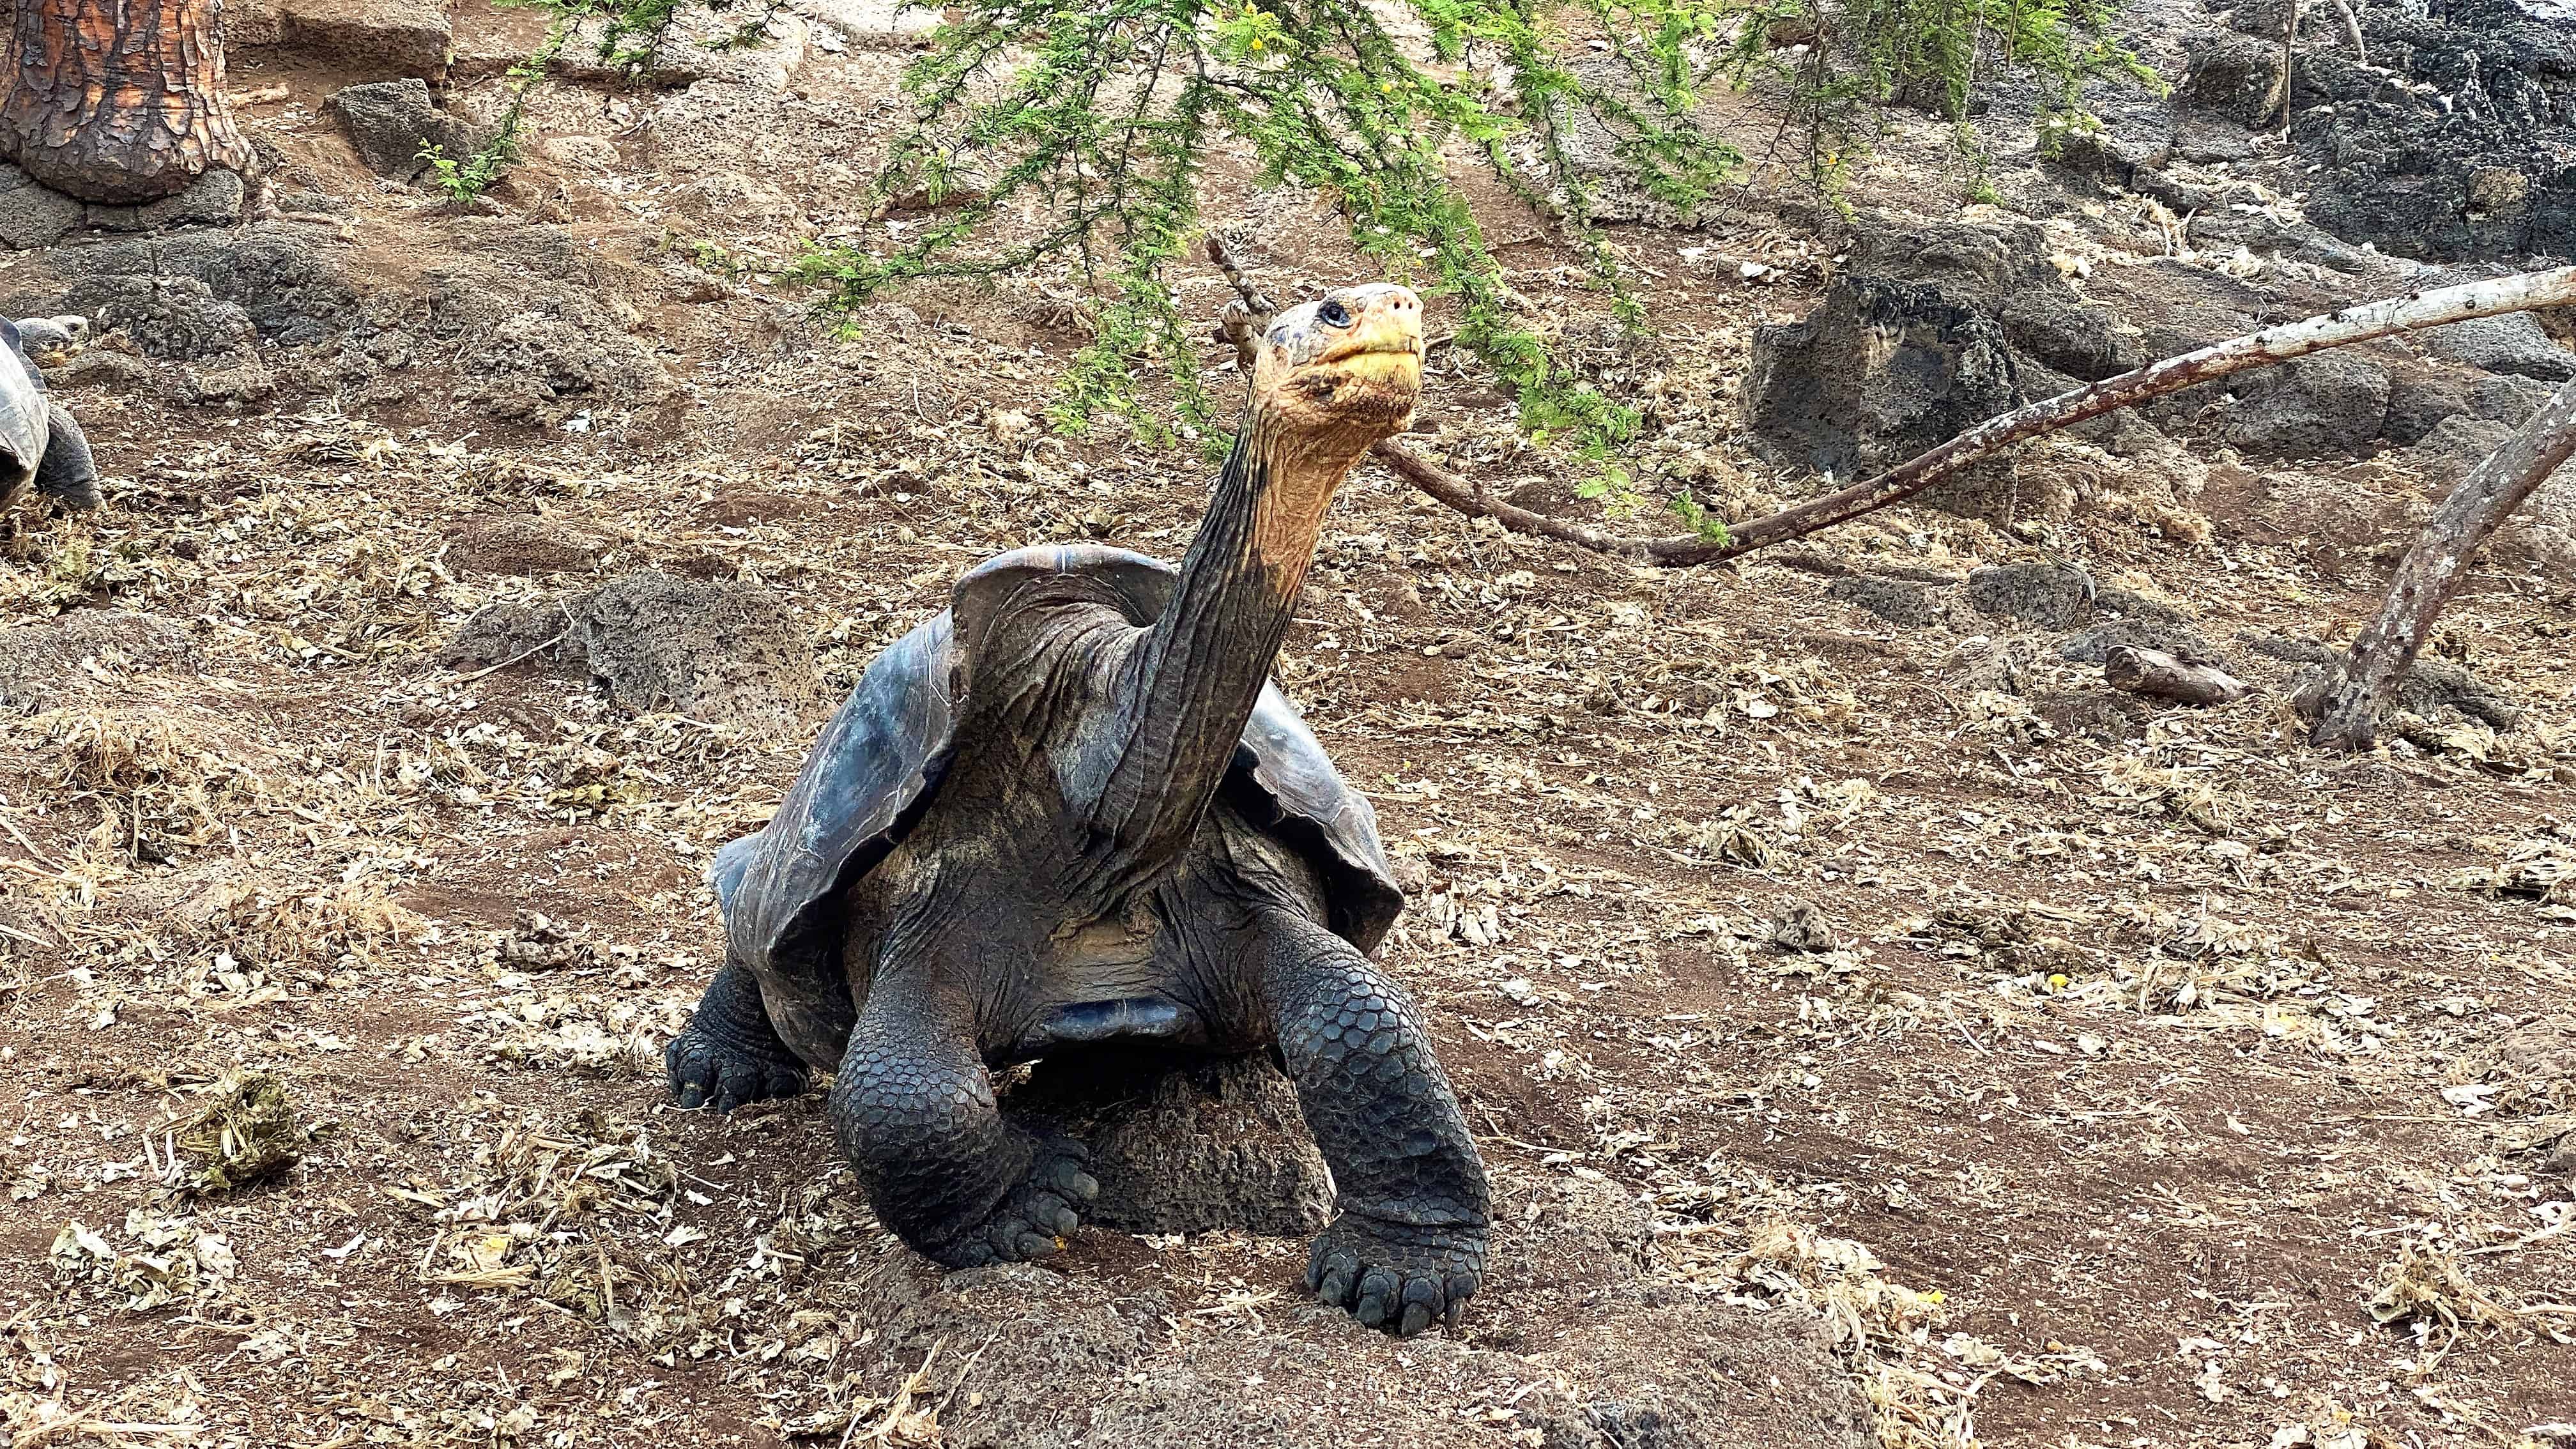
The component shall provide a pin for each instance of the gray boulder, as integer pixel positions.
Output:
(213, 199)
(2513, 343)
(2418, 400)
(33, 214)
(1881, 370)
(176, 319)
(392, 122)
(408, 37)
(2236, 78)
(2456, 445)
(1927, 330)
(2329, 404)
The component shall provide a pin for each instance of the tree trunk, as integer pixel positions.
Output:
(118, 101)
(2434, 568)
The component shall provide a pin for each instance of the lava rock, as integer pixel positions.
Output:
(177, 319)
(2418, 401)
(33, 214)
(2508, 400)
(2048, 595)
(2513, 343)
(2237, 78)
(392, 122)
(2458, 142)
(1927, 330)
(213, 199)
(2326, 404)
(409, 38)
(1882, 370)
(1906, 605)
(2174, 637)
(655, 642)
(2433, 686)
(2456, 445)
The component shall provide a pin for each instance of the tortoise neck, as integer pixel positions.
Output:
(1198, 673)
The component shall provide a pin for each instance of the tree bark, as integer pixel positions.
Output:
(2155, 674)
(118, 101)
(2434, 568)
(2362, 323)
(2289, 59)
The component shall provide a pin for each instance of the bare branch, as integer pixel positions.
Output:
(2434, 568)
(2273, 345)
(1248, 314)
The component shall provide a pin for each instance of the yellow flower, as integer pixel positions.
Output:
(2059, 981)
(1256, 45)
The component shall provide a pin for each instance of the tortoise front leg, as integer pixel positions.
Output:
(914, 1111)
(66, 473)
(1408, 1245)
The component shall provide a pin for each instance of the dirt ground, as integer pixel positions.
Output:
(1877, 1033)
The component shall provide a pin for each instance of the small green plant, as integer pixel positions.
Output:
(706, 255)
(464, 179)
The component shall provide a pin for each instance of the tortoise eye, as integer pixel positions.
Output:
(1333, 313)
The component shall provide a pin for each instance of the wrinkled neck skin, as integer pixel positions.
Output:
(1188, 684)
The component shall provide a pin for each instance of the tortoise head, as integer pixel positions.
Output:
(1347, 365)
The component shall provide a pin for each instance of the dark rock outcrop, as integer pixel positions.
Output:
(1927, 330)
(391, 122)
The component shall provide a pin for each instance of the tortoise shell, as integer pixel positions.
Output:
(25, 428)
(877, 764)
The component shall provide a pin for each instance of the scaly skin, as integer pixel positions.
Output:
(729, 1054)
(914, 1111)
(1408, 1246)
(67, 473)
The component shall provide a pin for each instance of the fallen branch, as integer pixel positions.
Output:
(2363, 323)
(2157, 675)
(2434, 568)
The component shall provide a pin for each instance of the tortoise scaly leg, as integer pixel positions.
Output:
(729, 1054)
(1408, 1245)
(67, 474)
(914, 1112)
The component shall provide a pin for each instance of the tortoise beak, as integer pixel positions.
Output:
(1384, 342)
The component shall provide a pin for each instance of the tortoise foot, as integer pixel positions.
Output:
(707, 1071)
(1398, 1277)
(1033, 1219)
(729, 1054)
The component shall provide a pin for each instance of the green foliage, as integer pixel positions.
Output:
(1100, 119)
(706, 255)
(1844, 61)
(469, 177)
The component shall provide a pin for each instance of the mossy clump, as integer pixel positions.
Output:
(244, 1133)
